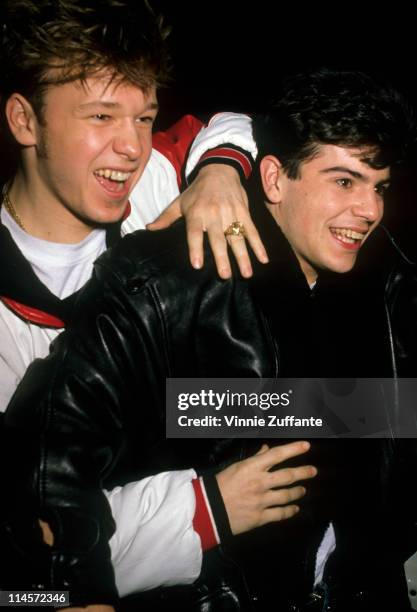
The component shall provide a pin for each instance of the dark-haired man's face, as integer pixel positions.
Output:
(327, 213)
(93, 146)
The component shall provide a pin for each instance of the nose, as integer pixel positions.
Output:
(127, 141)
(369, 205)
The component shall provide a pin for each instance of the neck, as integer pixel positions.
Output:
(308, 271)
(40, 215)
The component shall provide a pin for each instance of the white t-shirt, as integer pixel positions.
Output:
(63, 268)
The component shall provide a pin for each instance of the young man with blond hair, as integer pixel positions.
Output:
(78, 96)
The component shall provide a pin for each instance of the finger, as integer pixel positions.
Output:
(263, 449)
(254, 239)
(240, 251)
(288, 476)
(218, 245)
(283, 496)
(195, 240)
(281, 453)
(241, 213)
(167, 218)
(273, 515)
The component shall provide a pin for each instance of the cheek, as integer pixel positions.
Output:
(80, 143)
(87, 146)
(71, 158)
(305, 211)
(146, 147)
(307, 221)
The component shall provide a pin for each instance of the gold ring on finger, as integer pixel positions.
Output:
(235, 229)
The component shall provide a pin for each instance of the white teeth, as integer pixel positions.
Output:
(348, 233)
(114, 175)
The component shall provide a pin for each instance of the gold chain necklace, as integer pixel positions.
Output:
(11, 210)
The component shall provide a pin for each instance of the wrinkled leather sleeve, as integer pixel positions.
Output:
(92, 414)
(66, 427)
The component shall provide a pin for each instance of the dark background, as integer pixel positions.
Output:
(231, 56)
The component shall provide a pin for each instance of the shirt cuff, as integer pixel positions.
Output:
(229, 155)
(210, 518)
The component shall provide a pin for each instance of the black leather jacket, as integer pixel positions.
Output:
(93, 415)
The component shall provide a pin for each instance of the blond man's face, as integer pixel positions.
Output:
(94, 143)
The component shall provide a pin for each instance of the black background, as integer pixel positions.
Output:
(232, 56)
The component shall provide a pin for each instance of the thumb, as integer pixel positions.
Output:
(166, 218)
(48, 536)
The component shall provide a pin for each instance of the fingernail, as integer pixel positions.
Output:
(225, 273)
(264, 258)
(196, 263)
(246, 272)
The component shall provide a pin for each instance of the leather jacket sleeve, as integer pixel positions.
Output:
(79, 399)
(92, 415)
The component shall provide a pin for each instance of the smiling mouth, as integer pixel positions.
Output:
(112, 180)
(348, 236)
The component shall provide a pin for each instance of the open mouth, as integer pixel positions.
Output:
(348, 237)
(114, 181)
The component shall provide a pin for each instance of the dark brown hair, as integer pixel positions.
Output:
(344, 108)
(51, 42)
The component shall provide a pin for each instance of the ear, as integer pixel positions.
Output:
(22, 120)
(271, 171)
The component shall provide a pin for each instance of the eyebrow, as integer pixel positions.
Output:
(106, 104)
(353, 173)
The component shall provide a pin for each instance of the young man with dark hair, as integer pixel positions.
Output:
(326, 151)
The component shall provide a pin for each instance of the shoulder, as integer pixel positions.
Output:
(159, 258)
(401, 269)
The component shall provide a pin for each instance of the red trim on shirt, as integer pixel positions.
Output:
(229, 153)
(32, 315)
(175, 142)
(202, 521)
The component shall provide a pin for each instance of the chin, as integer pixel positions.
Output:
(343, 269)
(108, 216)
(338, 266)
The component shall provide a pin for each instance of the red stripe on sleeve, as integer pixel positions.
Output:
(229, 153)
(202, 521)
